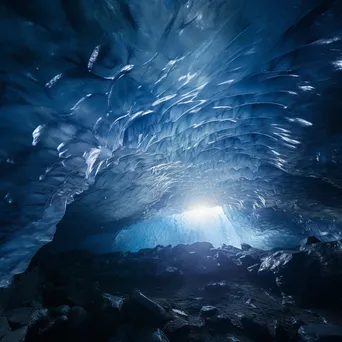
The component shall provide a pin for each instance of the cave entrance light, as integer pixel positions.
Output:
(198, 224)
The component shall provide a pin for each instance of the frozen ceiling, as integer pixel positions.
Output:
(123, 109)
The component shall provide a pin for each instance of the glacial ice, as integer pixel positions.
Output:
(204, 224)
(120, 110)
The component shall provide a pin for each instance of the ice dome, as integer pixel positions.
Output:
(115, 112)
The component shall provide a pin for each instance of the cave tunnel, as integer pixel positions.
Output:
(171, 144)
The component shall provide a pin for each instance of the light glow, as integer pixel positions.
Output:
(201, 211)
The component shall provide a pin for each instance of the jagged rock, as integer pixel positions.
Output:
(293, 271)
(259, 332)
(177, 330)
(159, 336)
(296, 323)
(4, 327)
(16, 336)
(180, 313)
(111, 304)
(19, 317)
(248, 260)
(245, 247)
(141, 310)
(208, 311)
(309, 241)
(39, 322)
(311, 276)
(219, 286)
(280, 333)
(320, 333)
(253, 269)
(202, 248)
(219, 323)
(77, 317)
(61, 310)
(53, 331)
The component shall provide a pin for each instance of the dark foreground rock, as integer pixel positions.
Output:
(189, 293)
(320, 332)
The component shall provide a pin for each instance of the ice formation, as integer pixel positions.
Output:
(123, 109)
(204, 224)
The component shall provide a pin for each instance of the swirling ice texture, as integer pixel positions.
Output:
(136, 108)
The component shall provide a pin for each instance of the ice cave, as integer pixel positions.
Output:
(171, 170)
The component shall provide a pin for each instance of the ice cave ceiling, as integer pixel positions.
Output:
(123, 109)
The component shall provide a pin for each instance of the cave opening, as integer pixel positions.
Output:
(170, 170)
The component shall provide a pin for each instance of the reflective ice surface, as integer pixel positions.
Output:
(210, 225)
(127, 109)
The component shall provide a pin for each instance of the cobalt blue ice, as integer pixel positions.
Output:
(120, 111)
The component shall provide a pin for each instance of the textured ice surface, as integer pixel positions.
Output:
(131, 108)
(209, 225)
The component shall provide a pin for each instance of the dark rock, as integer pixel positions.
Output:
(40, 320)
(53, 331)
(106, 311)
(111, 304)
(257, 331)
(172, 272)
(253, 269)
(61, 310)
(77, 317)
(19, 317)
(202, 248)
(208, 311)
(177, 330)
(293, 271)
(16, 336)
(4, 327)
(180, 313)
(296, 323)
(35, 305)
(159, 336)
(320, 332)
(248, 260)
(220, 286)
(280, 333)
(312, 276)
(245, 247)
(219, 323)
(141, 310)
(309, 241)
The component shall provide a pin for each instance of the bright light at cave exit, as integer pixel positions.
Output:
(203, 212)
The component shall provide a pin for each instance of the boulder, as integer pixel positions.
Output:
(280, 333)
(159, 336)
(111, 304)
(141, 310)
(4, 327)
(19, 317)
(312, 276)
(219, 324)
(208, 311)
(256, 330)
(16, 336)
(309, 241)
(320, 333)
(42, 328)
(77, 317)
(245, 247)
(61, 310)
(177, 330)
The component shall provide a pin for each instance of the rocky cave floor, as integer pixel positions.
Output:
(186, 293)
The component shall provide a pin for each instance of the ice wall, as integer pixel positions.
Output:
(127, 109)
